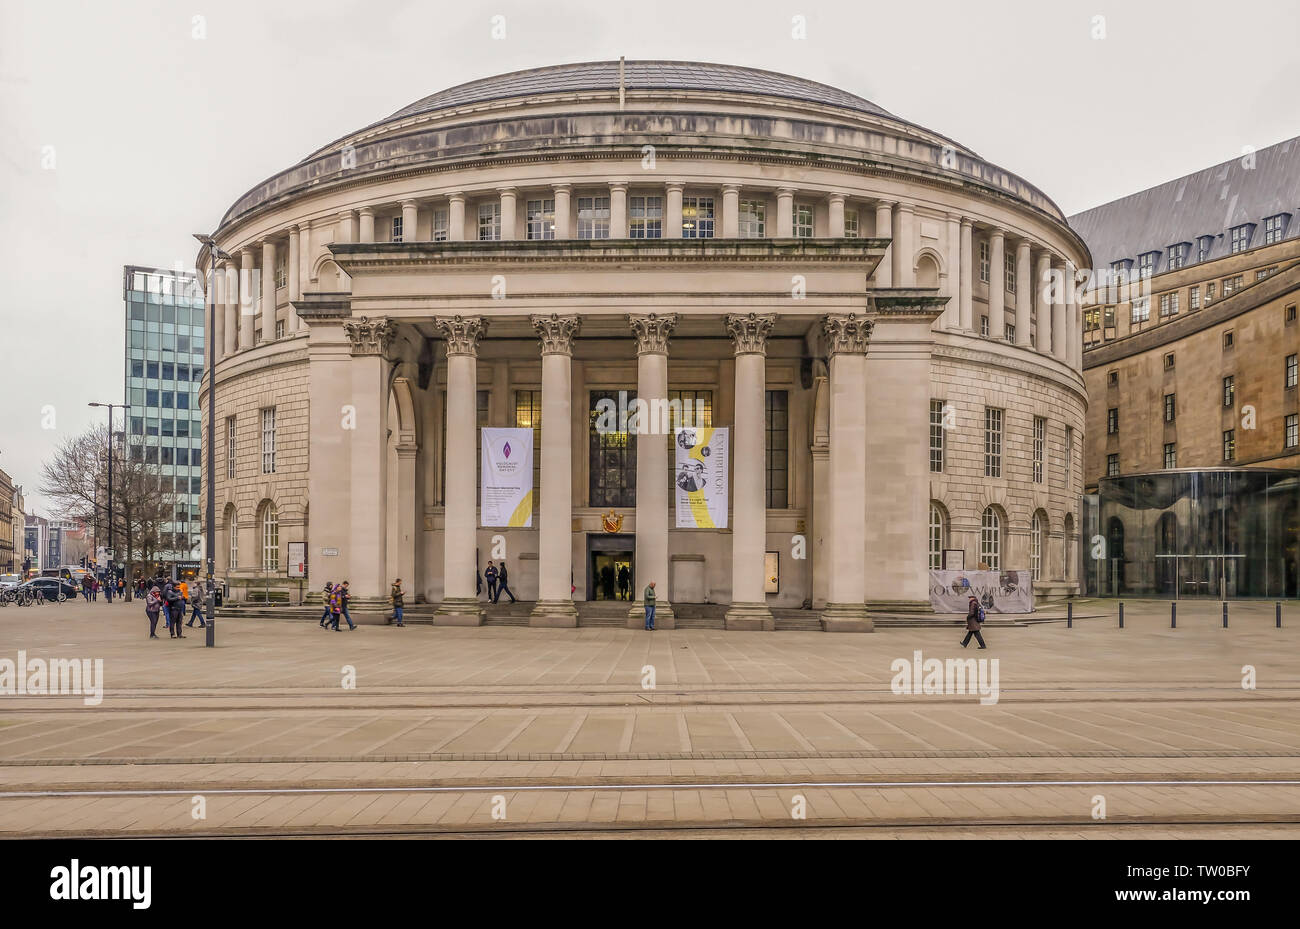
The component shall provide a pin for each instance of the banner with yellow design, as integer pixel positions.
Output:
(506, 490)
(701, 477)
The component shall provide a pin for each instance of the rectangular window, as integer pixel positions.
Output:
(230, 447)
(803, 221)
(1194, 298)
(1112, 421)
(593, 217)
(1288, 315)
(1228, 340)
(1241, 238)
(489, 222)
(279, 328)
(1265, 272)
(1009, 272)
(1112, 465)
(1119, 271)
(1141, 309)
(1229, 444)
(280, 272)
(1169, 304)
(778, 449)
(1209, 292)
(1009, 331)
(1290, 371)
(541, 219)
(753, 219)
(1040, 440)
(992, 442)
(646, 218)
(1169, 361)
(1292, 431)
(611, 453)
(1171, 455)
(1146, 264)
(1275, 228)
(936, 436)
(1229, 390)
(440, 226)
(396, 235)
(1170, 410)
(268, 440)
(984, 262)
(528, 415)
(697, 217)
(1112, 378)
(984, 325)
(1231, 284)
(1069, 457)
(851, 224)
(1177, 256)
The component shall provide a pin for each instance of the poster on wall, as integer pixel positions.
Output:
(999, 591)
(701, 477)
(506, 487)
(297, 559)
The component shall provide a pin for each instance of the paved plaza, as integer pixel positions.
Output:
(1090, 731)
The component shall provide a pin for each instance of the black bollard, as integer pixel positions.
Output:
(1173, 616)
(1279, 614)
(1069, 616)
(1121, 614)
(210, 631)
(1225, 614)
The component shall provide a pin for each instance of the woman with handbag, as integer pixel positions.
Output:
(152, 606)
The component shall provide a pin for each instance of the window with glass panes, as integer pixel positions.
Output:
(1229, 444)
(232, 537)
(268, 440)
(1240, 239)
(984, 325)
(230, 446)
(697, 217)
(1036, 547)
(984, 262)
(1009, 272)
(1229, 390)
(1112, 421)
(1146, 264)
(850, 224)
(936, 436)
(1141, 311)
(1291, 372)
(279, 328)
(777, 437)
(936, 537)
(1112, 465)
(1177, 256)
(440, 226)
(753, 219)
(1171, 455)
(1292, 436)
(1040, 440)
(1274, 229)
(489, 222)
(1170, 408)
(1194, 298)
(541, 219)
(397, 229)
(611, 455)
(1168, 304)
(528, 415)
(1069, 457)
(686, 408)
(645, 217)
(270, 538)
(803, 220)
(991, 539)
(1009, 332)
(992, 442)
(280, 272)
(593, 217)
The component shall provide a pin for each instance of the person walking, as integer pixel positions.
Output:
(152, 605)
(344, 596)
(624, 583)
(94, 588)
(336, 606)
(974, 619)
(183, 586)
(85, 587)
(196, 607)
(502, 586)
(175, 607)
(650, 607)
(121, 588)
(108, 589)
(398, 601)
(490, 575)
(327, 599)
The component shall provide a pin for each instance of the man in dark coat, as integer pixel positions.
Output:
(503, 586)
(973, 623)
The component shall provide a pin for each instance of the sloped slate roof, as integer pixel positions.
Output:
(1209, 202)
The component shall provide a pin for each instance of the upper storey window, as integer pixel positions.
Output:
(397, 229)
(1203, 245)
(803, 220)
(489, 222)
(697, 217)
(593, 217)
(1009, 271)
(1241, 237)
(1178, 255)
(1120, 270)
(1147, 264)
(753, 219)
(851, 224)
(645, 218)
(440, 226)
(1275, 228)
(541, 219)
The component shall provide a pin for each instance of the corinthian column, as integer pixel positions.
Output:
(459, 598)
(368, 537)
(749, 531)
(847, 337)
(555, 536)
(651, 333)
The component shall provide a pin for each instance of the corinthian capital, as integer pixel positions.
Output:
(749, 332)
(557, 333)
(461, 333)
(847, 334)
(652, 331)
(370, 336)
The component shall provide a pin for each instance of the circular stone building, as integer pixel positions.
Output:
(852, 296)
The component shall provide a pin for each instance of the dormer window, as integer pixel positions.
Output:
(1119, 270)
(1241, 237)
(1203, 245)
(1147, 263)
(1178, 255)
(1275, 228)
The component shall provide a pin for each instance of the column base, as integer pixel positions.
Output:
(846, 617)
(554, 614)
(664, 618)
(459, 611)
(899, 606)
(749, 617)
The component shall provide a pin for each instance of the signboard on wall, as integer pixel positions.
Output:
(506, 490)
(297, 559)
(999, 591)
(700, 477)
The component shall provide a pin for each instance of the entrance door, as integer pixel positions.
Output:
(611, 567)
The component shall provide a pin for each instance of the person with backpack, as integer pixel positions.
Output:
(196, 607)
(974, 619)
(152, 606)
(503, 584)
(399, 600)
(327, 599)
(336, 606)
(175, 607)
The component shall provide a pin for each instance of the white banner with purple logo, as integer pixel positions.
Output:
(999, 591)
(506, 490)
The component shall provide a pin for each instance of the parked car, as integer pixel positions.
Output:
(50, 588)
(9, 580)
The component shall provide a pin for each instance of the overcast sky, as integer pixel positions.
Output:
(126, 126)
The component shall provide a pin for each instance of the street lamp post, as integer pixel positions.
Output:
(111, 407)
(215, 254)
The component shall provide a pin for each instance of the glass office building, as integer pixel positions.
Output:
(164, 364)
(1211, 533)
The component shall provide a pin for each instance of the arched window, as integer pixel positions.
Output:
(1036, 531)
(270, 538)
(991, 539)
(937, 526)
(232, 534)
(1067, 548)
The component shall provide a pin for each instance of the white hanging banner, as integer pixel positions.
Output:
(506, 490)
(701, 477)
(999, 591)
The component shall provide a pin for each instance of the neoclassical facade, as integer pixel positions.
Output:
(864, 303)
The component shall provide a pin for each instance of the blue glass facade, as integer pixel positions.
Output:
(164, 364)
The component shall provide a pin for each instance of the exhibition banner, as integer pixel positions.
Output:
(999, 591)
(506, 487)
(701, 477)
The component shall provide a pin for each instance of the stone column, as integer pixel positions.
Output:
(329, 477)
(1042, 303)
(230, 277)
(618, 211)
(509, 210)
(998, 287)
(1060, 316)
(1024, 294)
(785, 213)
(292, 323)
(555, 535)
(410, 223)
(885, 230)
(748, 608)
(367, 215)
(1075, 324)
(368, 458)
(217, 298)
(268, 289)
(456, 217)
(847, 336)
(904, 244)
(673, 210)
(652, 480)
(460, 605)
(247, 298)
(730, 211)
(835, 215)
(951, 318)
(966, 288)
(563, 212)
(347, 226)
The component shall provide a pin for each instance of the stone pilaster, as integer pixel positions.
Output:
(369, 341)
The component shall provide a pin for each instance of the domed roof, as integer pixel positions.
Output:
(639, 75)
